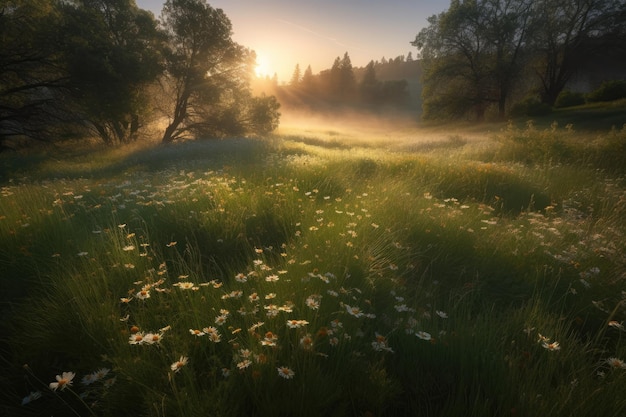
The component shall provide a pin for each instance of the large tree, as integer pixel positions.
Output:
(208, 75)
(31, 78)
(111, 56)
(472, 53)
(567, 37)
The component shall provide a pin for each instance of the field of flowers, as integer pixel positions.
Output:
(318, 273)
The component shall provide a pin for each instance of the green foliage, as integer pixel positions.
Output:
(569, 98)
(608, 91)
(208, 76)
(530, 106)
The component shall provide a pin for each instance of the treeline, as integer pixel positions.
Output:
(108, 69)
(481, 56)
(387, 84)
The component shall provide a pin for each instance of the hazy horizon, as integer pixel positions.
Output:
(285, 33)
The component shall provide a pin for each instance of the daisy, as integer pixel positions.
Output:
(221, 319)
(240, 277)
(306, 342)
(269, 340)
(136, 338)
(313, 302)
(176, 366)
(185, 285)
(285, 372)
(423, 335)
(551, 346)
(616, 363)
(64, 380)
(272, 278)
(296, 324)
(244, 364)
(354, 311)
(380, 344)
(95, 376)
(196, 332)
(441, 314)
(152, 338)
(143, 294)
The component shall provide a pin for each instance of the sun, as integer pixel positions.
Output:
(262, 68)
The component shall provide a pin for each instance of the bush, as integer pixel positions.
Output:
(569, 98)
(530, 106)
(608, 91)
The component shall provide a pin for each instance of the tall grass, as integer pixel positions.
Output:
(291, 276)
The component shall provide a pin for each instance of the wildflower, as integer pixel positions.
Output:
(616, 363)
(295, 324)
(313, 302)
(221, 319)
(244, 364)
(143, 294)
(354, 311)
(95, 376)
(34, 395)
(152, 338)
(285, 372)
(551, 346)
(64, 380)
(169, 245)
(270, 296)
(241, 277)
(254, 297)
(423, 335)
(270, 339)
(272, 278)
(176, 366)
(128, 248)
(441, 314)
(306, 342)
(380, 344)
(214, 336)
(255, 326)
(272, 310)
(125, 300)
(196, 332)
(185, 285)
(616, 325)
(136, 338)
(333, 341)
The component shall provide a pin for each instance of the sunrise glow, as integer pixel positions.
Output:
(263, 68)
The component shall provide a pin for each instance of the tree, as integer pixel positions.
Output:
(207, 74)
(111, 54)
(308, 81)
(296, 77)
(472, 54)
(31, 79)
(370, 87)
(564, 41)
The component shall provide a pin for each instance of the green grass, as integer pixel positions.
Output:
(408, 272)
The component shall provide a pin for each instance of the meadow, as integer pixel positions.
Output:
(325, 270)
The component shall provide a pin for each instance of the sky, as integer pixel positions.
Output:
(284, 33)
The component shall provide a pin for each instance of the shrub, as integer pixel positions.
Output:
(530, 106)
(608, 91)
(569, 98)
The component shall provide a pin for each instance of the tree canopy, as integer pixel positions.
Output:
(92, 68)
(477, 53)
